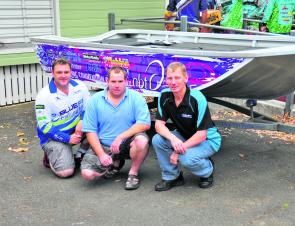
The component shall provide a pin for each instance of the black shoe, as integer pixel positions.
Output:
(207, 182)
(165, 185)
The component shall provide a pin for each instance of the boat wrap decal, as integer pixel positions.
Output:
(145, 71)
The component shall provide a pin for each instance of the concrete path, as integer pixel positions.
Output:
(254, 185)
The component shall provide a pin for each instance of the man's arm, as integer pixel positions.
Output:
(96, 146)
(78, 129)
(136, 128)
(90, 127)
(163, 130)
(176, 143)
(44, 124)
(142, 124)
(203, 11)
(86, 97)
(196, 139)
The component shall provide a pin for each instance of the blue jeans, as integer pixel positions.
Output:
(195, 159)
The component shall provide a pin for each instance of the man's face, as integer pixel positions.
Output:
(176, 80)
(61, 75)
(117, 84)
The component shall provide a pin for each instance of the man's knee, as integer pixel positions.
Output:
(192, 163)
(140, 142)
(139, 146)
(65, 173)
(89, 175)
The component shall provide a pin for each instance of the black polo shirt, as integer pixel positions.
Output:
(190, 116)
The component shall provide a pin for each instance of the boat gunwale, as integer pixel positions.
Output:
(201, 38)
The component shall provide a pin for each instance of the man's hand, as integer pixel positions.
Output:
(168, 15)
(115, 146)
(174, 158)
(178, 145)
(75, 138)
(105, 159)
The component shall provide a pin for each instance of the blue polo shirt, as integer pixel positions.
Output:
(109, 121)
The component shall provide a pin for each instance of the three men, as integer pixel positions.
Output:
(59, 112)
(195, 138)
(115, 121)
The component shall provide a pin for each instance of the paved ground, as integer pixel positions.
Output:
(254, 185)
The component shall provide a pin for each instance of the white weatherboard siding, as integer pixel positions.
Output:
(22, 19)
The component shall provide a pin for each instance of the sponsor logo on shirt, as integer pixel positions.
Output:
(71, 108)
(186, 116)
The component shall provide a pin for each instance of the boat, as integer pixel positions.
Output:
(220, 65)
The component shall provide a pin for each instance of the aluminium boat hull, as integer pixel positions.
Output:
(221, 65)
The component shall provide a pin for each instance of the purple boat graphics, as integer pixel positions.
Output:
(221, 65)
(146, 72)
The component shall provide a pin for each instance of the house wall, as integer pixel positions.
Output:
(88, 18)
(21, 76)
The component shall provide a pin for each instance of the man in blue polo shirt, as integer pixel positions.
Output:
(195, 138)
(115, 121)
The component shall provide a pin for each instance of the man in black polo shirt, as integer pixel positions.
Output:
(195, 138)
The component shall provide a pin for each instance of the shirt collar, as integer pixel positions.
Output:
(185, 100)
(53, 88)
(186, 97)
(105, 93)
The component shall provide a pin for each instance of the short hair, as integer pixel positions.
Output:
(61, 61)
(117, 70)
(175, 65)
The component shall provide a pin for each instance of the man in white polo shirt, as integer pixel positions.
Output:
(59, 112)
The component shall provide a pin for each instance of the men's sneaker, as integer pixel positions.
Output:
(165, 185)
(207, 182)
(46, 161)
